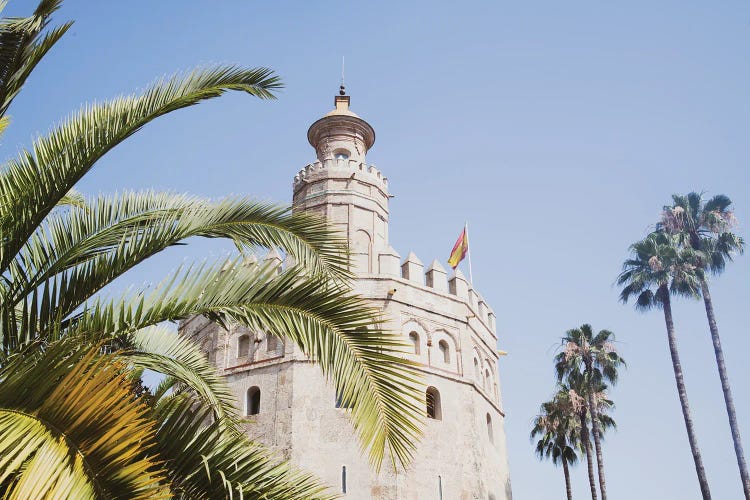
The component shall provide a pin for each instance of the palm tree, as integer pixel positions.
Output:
(706, 227)
(656, 270)
(68, 353)
(557, 427)
(593, 360)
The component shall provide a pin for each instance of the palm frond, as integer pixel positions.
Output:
(21, 50)
(32, 184)
(205, 462)
(335, 328)
(158, 349)
(104, 237)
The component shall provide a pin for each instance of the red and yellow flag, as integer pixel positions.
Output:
(459, 249)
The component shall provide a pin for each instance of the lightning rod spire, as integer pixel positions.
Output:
(342, 88)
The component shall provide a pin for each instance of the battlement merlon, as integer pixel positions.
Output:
(436, 279)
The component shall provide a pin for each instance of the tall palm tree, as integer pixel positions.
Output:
(67, 350)
(593, 360)
(656, 270)
(557, 428)
(706, 227)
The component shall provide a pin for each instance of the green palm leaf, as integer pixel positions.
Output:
(206, 462)
(335, 328)
(78, 251)
(37, 180)
(21, 48)
(159, 349)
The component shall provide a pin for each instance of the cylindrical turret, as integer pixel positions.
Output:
(341, 134)
(341, 186)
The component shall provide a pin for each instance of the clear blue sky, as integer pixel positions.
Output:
(558, 129)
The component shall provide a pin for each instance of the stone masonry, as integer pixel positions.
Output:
(289, 405)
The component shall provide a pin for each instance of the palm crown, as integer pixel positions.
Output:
(658, 266)
(592, 356)
(704, 226)
(557, 427)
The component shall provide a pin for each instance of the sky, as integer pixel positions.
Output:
(557, 129)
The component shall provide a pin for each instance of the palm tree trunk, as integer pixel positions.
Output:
(724, 377)
(682, 392)
(566, 471)
(589, 460)
(597, 443)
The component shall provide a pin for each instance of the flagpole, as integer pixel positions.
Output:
(468, 251)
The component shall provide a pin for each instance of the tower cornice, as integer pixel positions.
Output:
(340, 124)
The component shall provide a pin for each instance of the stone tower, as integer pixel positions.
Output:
(452, 330)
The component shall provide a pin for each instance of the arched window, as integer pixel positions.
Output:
(243, 346)
(343, 479)
(445, 351)
(489, 429)
(477, 372)
(434, 409)
(414, 339)
(487, 379)
(341, 154)
(252, 401)
(272, 342)
(361, 250)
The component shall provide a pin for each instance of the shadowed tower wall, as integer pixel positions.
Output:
(450, 327)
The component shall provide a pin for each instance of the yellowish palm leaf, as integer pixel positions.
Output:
(76, 433)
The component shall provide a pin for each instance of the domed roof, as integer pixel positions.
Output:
(342, 112)
(341, 120)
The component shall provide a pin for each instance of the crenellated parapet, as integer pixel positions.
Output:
(436, 279)
(340, 168)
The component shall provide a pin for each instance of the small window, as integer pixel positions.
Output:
(489, 429)
(445, 351)
(252, 401)
(341, 154)
(343, 479)
(414, 339)
(487, 380)
(434, 409)
(243, 346)
(477, 372)
(272, 342)
(440, 487)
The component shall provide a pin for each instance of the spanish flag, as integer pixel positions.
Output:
(459, 249)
